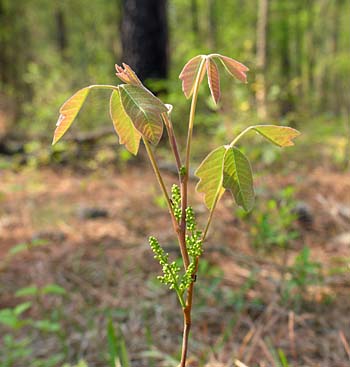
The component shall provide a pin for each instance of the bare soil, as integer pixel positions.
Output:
(105, 264)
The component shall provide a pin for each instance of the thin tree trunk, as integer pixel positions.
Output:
(337, 96)
(287, 101)
(212, 20)
(261, 55)
(194, 16)
(61, 32)
(4, 67)
(310, 51)
(298, 51)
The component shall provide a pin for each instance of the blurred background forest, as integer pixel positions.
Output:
(274, 285)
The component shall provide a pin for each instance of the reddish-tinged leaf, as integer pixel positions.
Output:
(189, 74)
(281, 136)
(124, 127)
(144, 110)
(235, 68)
(127, 75)
(68, 113)
(213, 79)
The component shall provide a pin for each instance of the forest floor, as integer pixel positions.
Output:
(88, 234)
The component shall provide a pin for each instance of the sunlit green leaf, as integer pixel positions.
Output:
(112, 344)
(46, 325)
(144, 110)
(238, 178)
(18, 248)
(210, 173)
(27, 291)
(22, 307)
(53, 289)
(68, 113)
(8, 318)
(282, 136)
(124, 127)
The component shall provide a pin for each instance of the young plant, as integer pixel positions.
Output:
(138, 115)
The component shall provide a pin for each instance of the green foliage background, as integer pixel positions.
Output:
(307, 53)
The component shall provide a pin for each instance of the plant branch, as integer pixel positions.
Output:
(184, 188)
(177, 229)
(184, 178)
(160, 181)
(239, 136)
(172, 139)
(205, 232)
(177, 290)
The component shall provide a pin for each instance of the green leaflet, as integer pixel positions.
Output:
(124, 127)
(226, 168)
(210, 174)
(144, 110)
(238, 178)
(68, 112)
(281, 136)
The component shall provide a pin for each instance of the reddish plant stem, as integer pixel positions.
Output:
(172, 140)
(184, 199)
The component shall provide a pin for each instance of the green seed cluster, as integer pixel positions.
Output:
(194, 244)
(176, 201)
(170, 275)
(159, 253)
(171, 271)
(187, 278)
(190, 219)
(194, 239)
(182, 171)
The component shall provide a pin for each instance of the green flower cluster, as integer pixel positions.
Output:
(187, 278)
(194, 239)
(171, 271)
(176, 201)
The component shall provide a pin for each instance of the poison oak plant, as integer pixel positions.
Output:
(138, 115)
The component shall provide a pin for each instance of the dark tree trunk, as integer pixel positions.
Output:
(310, 40)
(194, 13)
(14, 55)
(145, 37)
(4, 77)
(61, 32)
(212, 20)
(287, 103)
